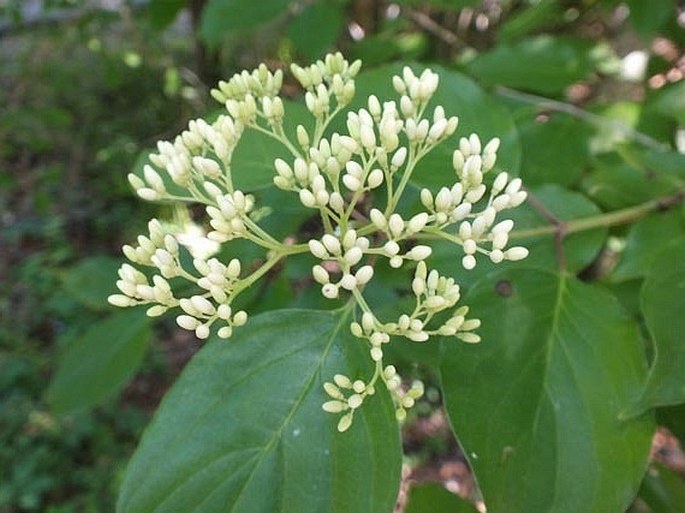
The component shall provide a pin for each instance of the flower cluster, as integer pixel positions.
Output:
(353, 181)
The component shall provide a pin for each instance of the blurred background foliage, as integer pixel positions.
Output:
(588, 97)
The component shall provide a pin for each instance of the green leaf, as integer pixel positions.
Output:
(306, 32)
(530, 18)
(645, 239)
(542, 64)
(673, 417)
(97, 364)
(669, 102)
(242, 430)
(663, 490)
(221, 18)
(630, 177)
(433, 498)
(663, 306)
(648, 17)
(537, 405)
(162, 13)
(90, 281)
(253, 159)
(555, 150)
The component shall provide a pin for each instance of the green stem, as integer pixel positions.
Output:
(617, 217)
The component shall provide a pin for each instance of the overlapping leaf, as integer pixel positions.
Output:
(663, 305)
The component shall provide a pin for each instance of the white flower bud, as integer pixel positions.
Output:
(302, 136)
(417, 336)
(331, 243)
(419, 253)
(461, 212)
(399, 157)
(202, 305)
(135, 181)
(443, 200)
(342, 381)
(187, 322)
(240, 318)
(496, 256)
(437, 130)
(517, 198)
(355, 401)
(356, 330)
(333, 390)
(458, 160)
(516, 253)
(391, 248)
(352, 183)
(345, 422)
(427, 199)
(374, 106)
(225, 332)
(378, 219)
(364, 274)
(334, 406)
(353, 255)
(469, 246)
(148, 194)
(224, 311)
(336, 202)
(375, 178)
(120, 300)
(468, 262)
(283, 169)
(435, 303)
(468, 337)
(396, 262)
(501, 202)
(492, 146)
(418, 286)
(202, 331)
(320, 275)
(317, 249)
(368, 321)
(329, 291)
(348, 282)
(513, 187)
(376, 354)
(396, 225)
(499, 240)
(417, 223)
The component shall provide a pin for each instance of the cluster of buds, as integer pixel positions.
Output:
(354, 180)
